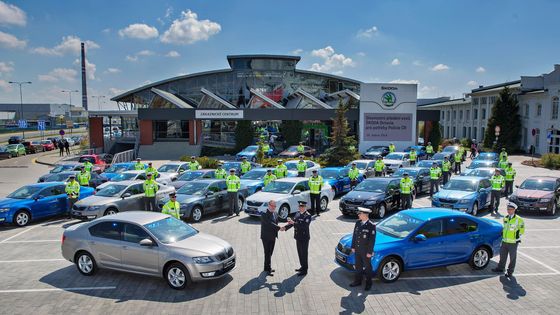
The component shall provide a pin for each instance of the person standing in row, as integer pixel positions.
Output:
(363, 242)
(281, 170)
(300, 148)
(88, 166)
(268, 177)
(301, 167)
(406, 186)
(446, 169)
(503, 154)
(458, 160)
(233, 184)
(379, 166)
(514, 228)
(315, 186)
(391, 147)
(67, 147)
(220, 173)
(510, 176)
(139, 166)
(83, 177)
(193, 164)
(412, 157)
(73, 193)
(269, 233)
(152, 170)
(150, 190)
(429, 150)
(353, 174)
(435, 175)
(498, 183)
(245, 166)
(172, 207)
(301, 223)
(503, 163)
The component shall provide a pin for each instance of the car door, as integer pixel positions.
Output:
(135, 257)
(461, 238)
(430, 252)
(216, 201)
(310, 167)
(484, 193)
(369, 169)
(344, 181)
(303, 187)
(106, 243)
(50, 202)
(393, 195)
(136, 199)
(425, 180)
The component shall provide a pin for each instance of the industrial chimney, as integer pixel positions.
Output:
(84, 85)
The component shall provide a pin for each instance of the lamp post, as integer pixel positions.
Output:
(70, 93)
(20, 83)
(98, 98)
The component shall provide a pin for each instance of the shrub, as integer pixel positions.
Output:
(204, 161)
(551, 160)
(272, 162)
(213, 151)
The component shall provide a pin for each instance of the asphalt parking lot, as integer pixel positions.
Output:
(34, 278)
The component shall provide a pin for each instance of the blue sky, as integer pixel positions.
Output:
(448, 47)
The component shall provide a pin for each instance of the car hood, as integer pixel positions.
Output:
(250, 182)
(373, 153)
(363, 195)
(186, 199)
(455, 194)
(97, 201)
(110, 175)
(392, 161)
(203, 244)
(9, 202)
(266, 196)
(286, 153)
(381, 240)
(246, 154)
(529, 193)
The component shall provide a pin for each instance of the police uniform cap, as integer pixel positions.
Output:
(314, 171)
(302, 203)
(72, 176)
(512, 205)
(232, 170)
(172, 194)
(269, 171)
(301, 156)
(138, 159)
(220, 164)
(364, 210)
(244, 158)
(280, 160)
(353, 163)
(149, 174)
(405, 174)
(509, 163)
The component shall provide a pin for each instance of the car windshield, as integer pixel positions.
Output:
(372, 186)
(170, 230)
(3, 149)
(59, 177)
(46, 142)
(24, 192)
(193, 188)
(87, 158)
(359, 165)
(168, 168)
(292, 166)
(486, 157)
(330, 174)
(462, 185)
(394, 156)
(123, 176)
(61, 168)
(11, 146)
(399, 225)
(537, 184)
(401, 171)
(110, 190)
(254, 174)
(438, 156)
(449, 149)
(479, 173)
(477, 164)
(375, 149)
(292, 149)
(229, 165)
(116, 168)
(190, 175)
(425, 163)
(252, 148)
(279, 187)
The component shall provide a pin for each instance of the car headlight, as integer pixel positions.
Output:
(512, 197)
(93, 208)
(544, 200)
(202, 260)
(4, 210)
(434, 198)
(464, 200)
(370, 202)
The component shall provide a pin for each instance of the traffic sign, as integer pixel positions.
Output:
(22, 123)
(41, 125)
(61, 132)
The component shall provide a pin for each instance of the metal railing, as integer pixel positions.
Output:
(125, 156)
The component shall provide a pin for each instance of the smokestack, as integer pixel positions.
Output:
(84, 85)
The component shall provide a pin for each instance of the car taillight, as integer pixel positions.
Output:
(63, 239)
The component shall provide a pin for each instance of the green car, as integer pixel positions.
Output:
(16, 149)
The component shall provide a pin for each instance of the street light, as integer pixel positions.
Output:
(20, 83)
(98, 98)
(70, 94)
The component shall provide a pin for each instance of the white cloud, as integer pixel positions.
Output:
(69, 45)
(440, 67)
(417, 63)
(12, 15)
(10, 41)
(472, 83)
(131, 58)
(106, 31)
(173, 54)
(58, 74)
(145, 53)
(90, 68)
(480, 69)
(428, 91)
(395, 62)
(297, 51)
(189, 29)
(332, 62)
(5, 86)
(401, 81)
(6, 67)
(361, 54)
(139, 31)
(368, 33)
(112, 70)
(114, 91)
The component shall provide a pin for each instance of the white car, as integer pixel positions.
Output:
(162, 178)
(292, 168)
(174, 169)
(394, 161)
(287, 192)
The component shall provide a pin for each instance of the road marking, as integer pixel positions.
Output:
(34, 241)
(30, 260)
(58, 289)
(538, 262)
(535, 247)
(480, 276)
(542, 230)
(20, 233)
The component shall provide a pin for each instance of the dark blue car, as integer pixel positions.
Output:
(36, 201)
(338, 178)
(427, 238)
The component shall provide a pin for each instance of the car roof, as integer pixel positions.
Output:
(295, 161)
(68, 172)
(134, 171)
(493, 169)
(399, 152)
(209, 180)
(543, 178)
(433, 213)
(126, 182)
(138, 217)
(292, 179)
(380, 179)
(466, 178)
(262, 169)
(362, 161)
(46, 184)
(413, 168)
(334, 168)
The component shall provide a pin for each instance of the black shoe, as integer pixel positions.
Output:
(318, 214)
(497, 270)
(269, 274)
(509, 274)
(298, 270)
(302, 273)
(356, 284)
(368, 286)
(237, 214)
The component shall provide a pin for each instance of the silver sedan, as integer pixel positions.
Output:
(148, 243)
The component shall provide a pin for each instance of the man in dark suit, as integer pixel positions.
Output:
(269, 233)
(301, 223)
(363, 241)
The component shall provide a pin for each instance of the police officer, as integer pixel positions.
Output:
(363, 242)
(406, 186)
(245, 165)
(510, 176)
(503, 163)
(233, 184)
(152, 170)
(446, 169)
(300, 148)
(266, 149)
(139, 166)
(193, 164)
(391, 147)
(269, 233)
(458, 160)
(301, 167)
(315, 186)
(514, 228)
(412, 156)
(150, 190)
(503, 154)
(220, 173)
(301, 222)
(498, 182)
(72, 192)
(172, 207)
(83, 177)
(435, 174)
(268, 177)
(353, 174)
(88, 166)
(281, 170)
(429, 150)
(379, 166)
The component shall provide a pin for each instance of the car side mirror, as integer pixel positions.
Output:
(39, 197)
(126, 195)
(209, 193)
(181, 171)
(339, 177)
(517, 186)
(296, 192)
(420, 238)
(391, 190)
(146, 242)
(369, 169)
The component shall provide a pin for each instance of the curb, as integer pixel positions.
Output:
(38, 161)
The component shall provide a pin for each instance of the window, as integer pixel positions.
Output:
(474, 134)
(483, 113)
(555, 108)
(142, 176)
(442, 115)
(475, 114)
(468, 115)
(537, 138)
(526, 111)
(135, 189)
(485, 183)
(53, 191)
(454, 132)
(432, 229)
(214, 188)
(222, 185)
(134, 234)
(171, 130)
(460, 225)
(109, 230)
(469, 133)
(301, 187)
(492, 100)
(460, 115)
(448, 115)
(475, 101)
(464, 132)
(483, 130)
(539, 110)
(483, 101)
(447, 132)
(454, 114)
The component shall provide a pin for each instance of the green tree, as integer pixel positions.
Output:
(243, 134)
(343, 147)
(291, 131)
(435, 134)
(505, 114)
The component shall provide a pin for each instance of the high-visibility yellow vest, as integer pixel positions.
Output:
(429, 149)
(406, 186)
(193, 166)
(498, 182)
(300, 148)
(353, 173)
(457, 157)
(513, 229)
(268, 178)
(233, 183)
(412, 155)
(503, 155)
(88, 166)
(153, 171)
(379, 166)
(245, 167)
(72, 189)
(281, 171)
(83, 178)
(435, 172)
(150, 188)
(503, 164)
(139, 166)
(446, 166)
(265, 148)
(510, 174)
(391, 148)
(173, 208)
(220, 173)
(301, 166)
(315, 184)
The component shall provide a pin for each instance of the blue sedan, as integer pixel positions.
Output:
(427, 238)
(250, 153)
(117, 168)
(464, 193)
(36, 201)
(338, 178)
(253, 179)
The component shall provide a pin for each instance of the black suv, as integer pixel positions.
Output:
(15, 140)
(380, 194)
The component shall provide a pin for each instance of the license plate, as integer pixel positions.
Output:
(252, 209)
(229, 263)
(447, 206)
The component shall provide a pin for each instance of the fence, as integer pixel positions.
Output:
(125, 156)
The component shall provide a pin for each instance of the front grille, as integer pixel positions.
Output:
(225, 255)
(254, 203)
(448, 200)
(527, 199)
(344, 250)
(353, 202)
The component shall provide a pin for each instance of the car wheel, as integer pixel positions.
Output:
(22, 218)
(336, 191)
(240, 203)
(553, 207)
(111, 211)
(284, 212)
(390, 269)
(381, 211)
(324, 203)
(17, 154)
(480, 258)
(474, 210)
(177, 276)
(196, 214)
(85, 263)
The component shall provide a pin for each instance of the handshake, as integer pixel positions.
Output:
(290, 222)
